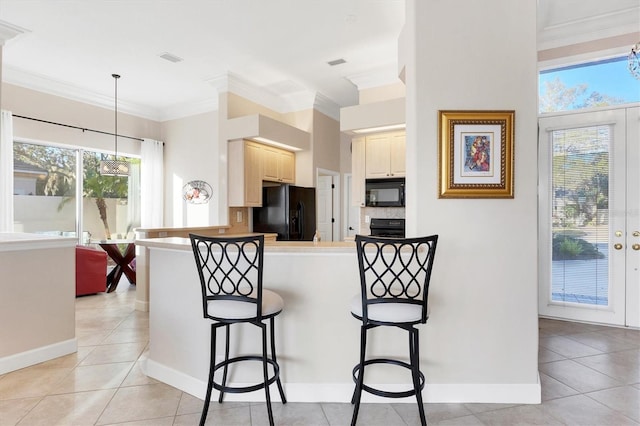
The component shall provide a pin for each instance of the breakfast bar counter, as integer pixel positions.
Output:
(316, 335)
(317, 339)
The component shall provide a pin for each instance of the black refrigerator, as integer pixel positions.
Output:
(289, 211)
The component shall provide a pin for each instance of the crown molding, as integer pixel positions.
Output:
(72, 92)
(9, 31)
(188, 109)
(234, 83)
(589, 29)
(280, 103)
(293, 102)
(379, 77)
(327, 106)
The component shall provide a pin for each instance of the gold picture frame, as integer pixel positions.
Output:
(476, 154)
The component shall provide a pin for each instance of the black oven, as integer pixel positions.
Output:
(382, 227)
(384, 192)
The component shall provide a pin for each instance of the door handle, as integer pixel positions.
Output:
(636, 233)
(617, 246)
(636, 246)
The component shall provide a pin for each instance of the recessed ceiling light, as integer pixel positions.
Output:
(170, 57)
(336, 62)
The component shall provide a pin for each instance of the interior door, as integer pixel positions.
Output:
(589, 206)
(325, 207)
(352, 212)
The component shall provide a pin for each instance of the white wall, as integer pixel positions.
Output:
(191, 153)
(475, 55)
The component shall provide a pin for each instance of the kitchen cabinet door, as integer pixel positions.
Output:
(397, 155)
(278, 165)
(377, 156)
(287, 166)
(245, 174)
(253, 175)
(385, 155)
(270, 160)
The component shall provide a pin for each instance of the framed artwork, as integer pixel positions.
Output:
(476, 154)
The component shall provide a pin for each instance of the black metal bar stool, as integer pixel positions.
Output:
(230, 271)
(394, 281)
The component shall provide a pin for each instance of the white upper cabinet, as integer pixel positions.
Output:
(385, 155)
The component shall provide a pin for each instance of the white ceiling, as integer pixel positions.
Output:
(71, 47)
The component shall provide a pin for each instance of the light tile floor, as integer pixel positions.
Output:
(590, 376)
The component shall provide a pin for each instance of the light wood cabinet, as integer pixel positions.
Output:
(249, 164)
(357, 171)
(385, 155)
(278, 165)
(287, 166)
(245, 174)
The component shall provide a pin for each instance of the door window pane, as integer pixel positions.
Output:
(580, 215)
(44, 189)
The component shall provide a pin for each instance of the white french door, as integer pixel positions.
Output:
(589, 216)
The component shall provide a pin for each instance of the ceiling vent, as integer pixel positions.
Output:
(336, 62)
(170, 57)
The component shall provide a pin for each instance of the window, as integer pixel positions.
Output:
(594, 84)
(46, 182)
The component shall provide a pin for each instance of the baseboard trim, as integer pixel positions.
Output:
(523, 393)
(142, 306)
(37, 355)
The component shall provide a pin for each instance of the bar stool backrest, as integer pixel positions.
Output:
(395, 270)
(230, 268)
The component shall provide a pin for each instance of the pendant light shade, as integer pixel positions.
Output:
(115, 167)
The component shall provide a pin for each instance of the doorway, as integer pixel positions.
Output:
(589, 216)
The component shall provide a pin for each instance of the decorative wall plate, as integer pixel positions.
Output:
(197, 192)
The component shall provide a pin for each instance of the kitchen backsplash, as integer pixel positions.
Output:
(378, 212)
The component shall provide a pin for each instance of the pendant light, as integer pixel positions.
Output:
(633, 60)
(115, 167)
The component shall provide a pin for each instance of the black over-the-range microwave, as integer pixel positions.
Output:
(384, 192)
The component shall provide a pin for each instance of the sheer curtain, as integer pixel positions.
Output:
(6, 172)
(151, 184)
(133, 204)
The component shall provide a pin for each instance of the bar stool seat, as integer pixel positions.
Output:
(394, 289)
(230, 271)
(387, 312)
(272, 304)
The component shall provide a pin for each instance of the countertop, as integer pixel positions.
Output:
(187, 229)
(10, 241)
(178, 243)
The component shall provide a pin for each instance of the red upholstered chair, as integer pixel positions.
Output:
(91, 270)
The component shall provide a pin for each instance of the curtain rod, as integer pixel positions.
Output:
(76, 127)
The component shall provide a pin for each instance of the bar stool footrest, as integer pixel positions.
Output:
(387, 394)
(243, 389)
